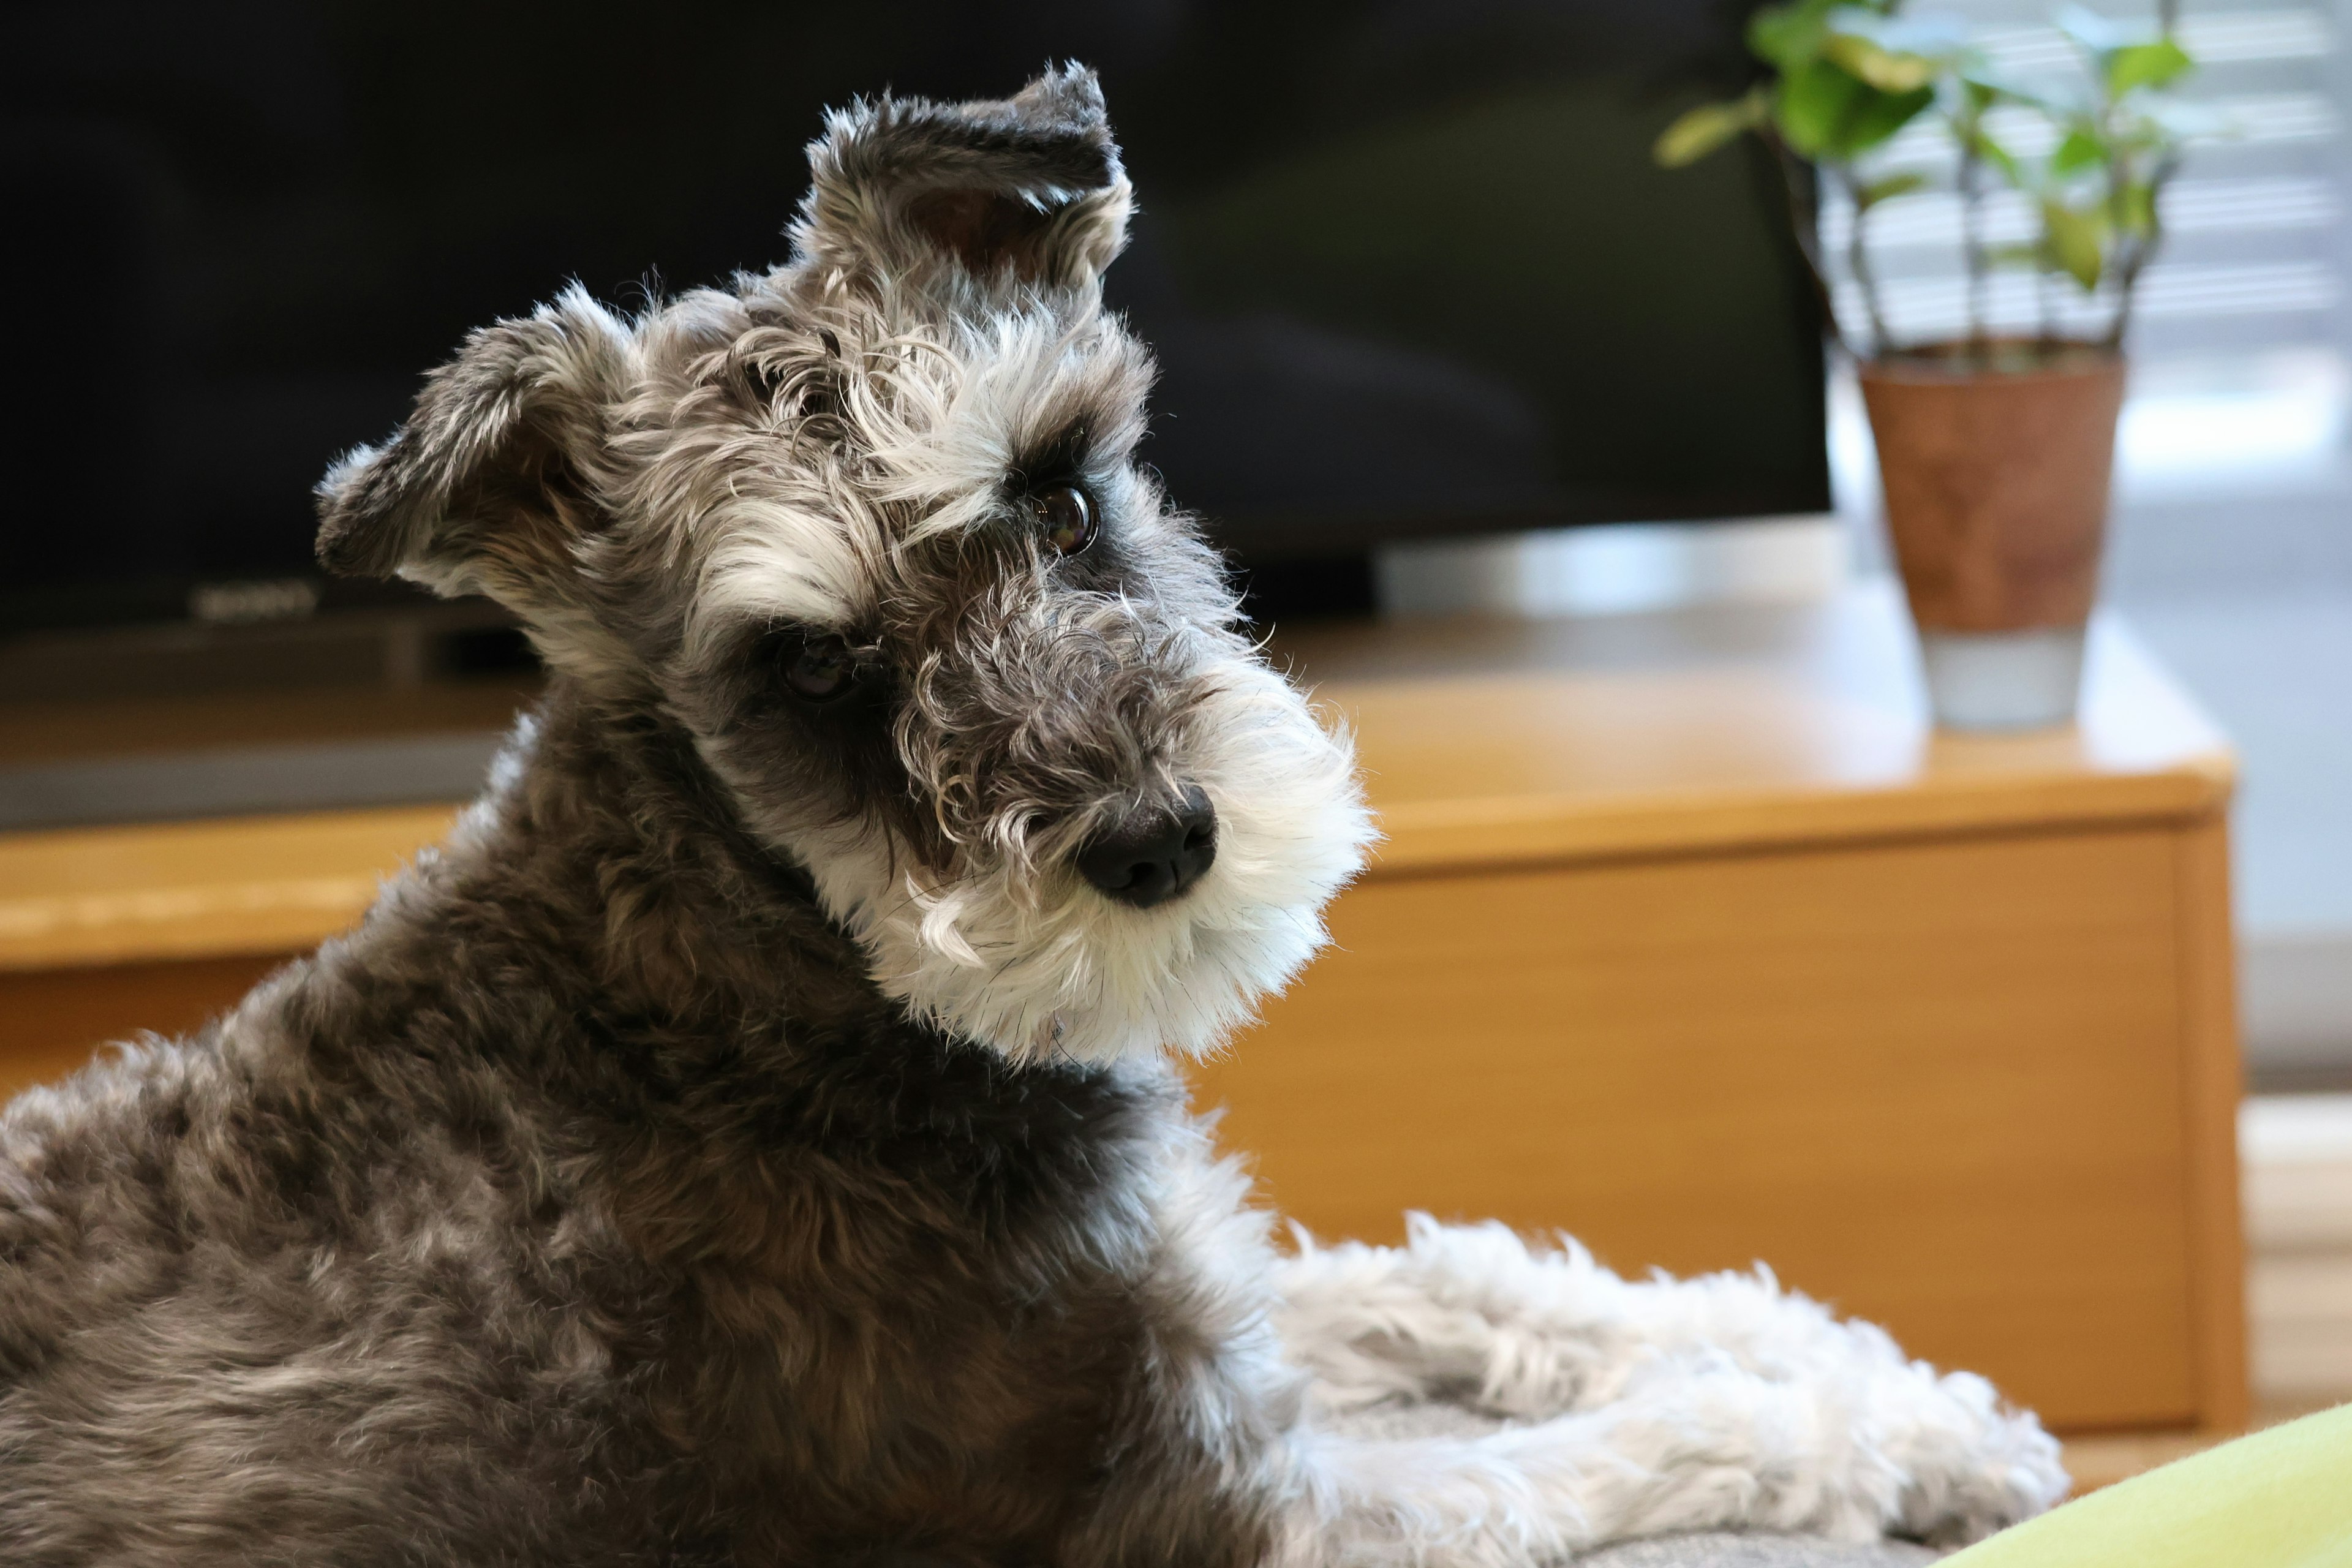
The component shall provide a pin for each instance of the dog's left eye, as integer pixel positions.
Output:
(1065, 516)
(819, 669)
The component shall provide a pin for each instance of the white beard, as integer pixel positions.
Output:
(1037, 964)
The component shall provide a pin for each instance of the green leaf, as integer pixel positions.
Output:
(1868, 196)
(1698, 132)
(2082, 149)
(1880, 116)
(2012, 256)
(1813, 103)
(1788, 36)
(1993, 152)
(1986, 84)
(1875, 66)
(1825, 112)
(2077, 242)
(2146, 65)
(2002, 158)
(2137, 209)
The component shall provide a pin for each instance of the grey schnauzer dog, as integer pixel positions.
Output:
(749, 1138)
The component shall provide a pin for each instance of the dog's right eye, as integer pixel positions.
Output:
(819, 669)
(1065, 516)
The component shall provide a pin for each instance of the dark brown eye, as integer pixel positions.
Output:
(819, 669)
(1065, 516)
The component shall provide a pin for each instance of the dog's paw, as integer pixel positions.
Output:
(1968, 1466)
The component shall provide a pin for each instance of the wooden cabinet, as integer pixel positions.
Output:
(1690, 939)
(105, 931)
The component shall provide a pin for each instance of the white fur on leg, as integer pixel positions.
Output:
(1712, 1450)
(1469, 1315)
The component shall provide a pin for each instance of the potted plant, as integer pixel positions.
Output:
(1995, 449)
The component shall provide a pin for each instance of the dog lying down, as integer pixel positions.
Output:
(750, 1139)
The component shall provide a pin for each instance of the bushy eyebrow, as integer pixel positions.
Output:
(1065, 454)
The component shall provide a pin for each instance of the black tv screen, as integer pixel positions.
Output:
(1406, 264)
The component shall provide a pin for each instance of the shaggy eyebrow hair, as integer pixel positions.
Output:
(1063, 455)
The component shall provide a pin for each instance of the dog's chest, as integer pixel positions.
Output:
(909, 1303)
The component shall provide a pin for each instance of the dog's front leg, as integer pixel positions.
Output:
(1704, 1449)
(1708, 1453)
(1469, 1315)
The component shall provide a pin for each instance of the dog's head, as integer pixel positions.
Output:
(871, 527)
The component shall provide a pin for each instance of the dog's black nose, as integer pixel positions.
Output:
(1155, 853)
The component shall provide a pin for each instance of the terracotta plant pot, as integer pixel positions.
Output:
(1997, 501)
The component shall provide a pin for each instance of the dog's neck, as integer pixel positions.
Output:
(698, 1011)
(604, 818)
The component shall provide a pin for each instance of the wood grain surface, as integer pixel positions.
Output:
(76, 897)
(1494, 740)
(1935, 1084)
(2213, 1083)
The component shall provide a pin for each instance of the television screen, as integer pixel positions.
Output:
(1406, 264)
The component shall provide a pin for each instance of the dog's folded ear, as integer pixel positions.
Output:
(1026, 189)
(489, 483)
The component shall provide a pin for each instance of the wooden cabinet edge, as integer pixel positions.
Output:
(233, 930)
(1474, 836)
(223, 887)
(2213, 1083)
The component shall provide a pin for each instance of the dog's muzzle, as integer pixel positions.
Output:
(1155, 853)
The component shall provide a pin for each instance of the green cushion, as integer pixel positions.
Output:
(2280, 1498)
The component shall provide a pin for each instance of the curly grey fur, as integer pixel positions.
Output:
(586, 1206)
(747, 1141)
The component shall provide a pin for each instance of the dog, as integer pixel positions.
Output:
(750, 1139)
